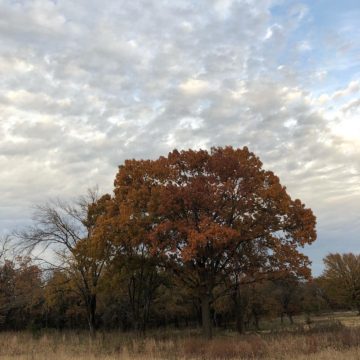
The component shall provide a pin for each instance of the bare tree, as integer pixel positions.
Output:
(65, 232)
(5, 247)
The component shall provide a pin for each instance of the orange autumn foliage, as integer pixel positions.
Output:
(209, 213)
(198, 204)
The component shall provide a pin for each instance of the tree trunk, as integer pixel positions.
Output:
(92, 314)
(256, 323)
(239, 317)
(358, 308)
(176, 322)
(239, 307)
(256, 320)
(198, 315)
(205, 312)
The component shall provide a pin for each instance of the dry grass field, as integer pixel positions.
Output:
(327, 337)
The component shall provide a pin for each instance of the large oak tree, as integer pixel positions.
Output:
(211, 215)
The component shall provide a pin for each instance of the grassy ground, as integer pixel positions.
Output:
(327, 337)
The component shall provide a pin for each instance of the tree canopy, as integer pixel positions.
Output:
(210, 215)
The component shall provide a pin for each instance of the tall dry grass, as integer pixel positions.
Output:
(325, 341)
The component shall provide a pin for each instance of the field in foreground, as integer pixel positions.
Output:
(336, 338)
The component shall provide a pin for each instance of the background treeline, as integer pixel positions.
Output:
(140, 296)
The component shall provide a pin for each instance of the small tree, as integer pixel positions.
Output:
(68, 230)
(21, 294)
(287, 294)
(341, 279)
(139, 277)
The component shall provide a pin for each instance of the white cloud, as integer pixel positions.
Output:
(192, 123)
(353, 87)
(304, 46)
(272, 31)
(195, 87)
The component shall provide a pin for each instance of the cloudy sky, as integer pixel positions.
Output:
(87, 84)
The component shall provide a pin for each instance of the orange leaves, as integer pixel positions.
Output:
(209, 238)
(202, 207)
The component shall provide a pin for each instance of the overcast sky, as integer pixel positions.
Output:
(86, 84)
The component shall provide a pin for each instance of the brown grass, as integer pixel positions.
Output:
(322, 340)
